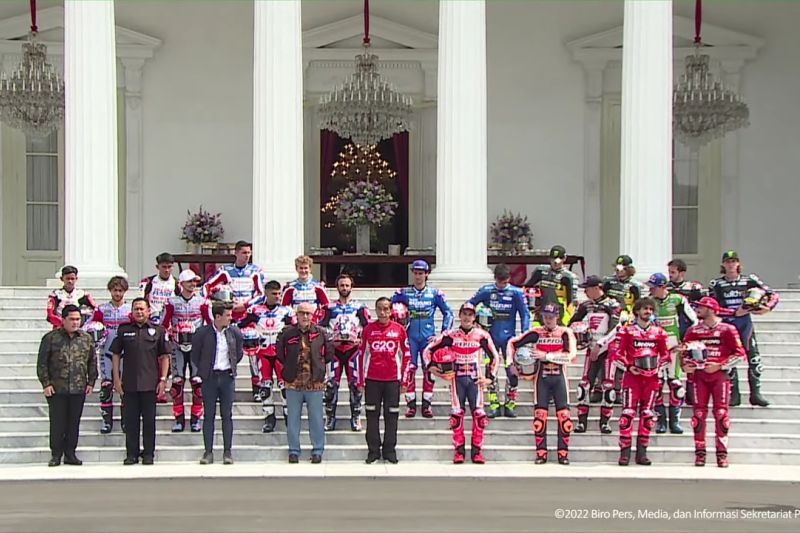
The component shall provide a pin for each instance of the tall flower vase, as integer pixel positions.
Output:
(362, 239)
(192, 247)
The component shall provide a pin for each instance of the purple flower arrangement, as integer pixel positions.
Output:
(202, 226)
(365, 202)
(511, 229)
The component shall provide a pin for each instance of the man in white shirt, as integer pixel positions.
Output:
(216, 350)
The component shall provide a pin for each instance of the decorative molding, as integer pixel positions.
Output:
(341, 30)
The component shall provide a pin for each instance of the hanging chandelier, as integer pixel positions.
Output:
(32, 95)
(365, 108)
(704, 109)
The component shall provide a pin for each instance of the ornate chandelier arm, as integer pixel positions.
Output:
(698, 21)
(366, 22)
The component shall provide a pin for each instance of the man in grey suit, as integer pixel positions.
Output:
(216, 350)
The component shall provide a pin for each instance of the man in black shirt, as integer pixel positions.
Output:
(147, 360)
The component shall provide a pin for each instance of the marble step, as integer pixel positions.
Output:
(436, 453)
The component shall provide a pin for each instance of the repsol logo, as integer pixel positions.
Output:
(383, 346)
(712, 342)
(549, 341)
(644, 344)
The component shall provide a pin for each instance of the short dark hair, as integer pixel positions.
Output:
(679, 264)
(502, 271)
(643, 302)
(343, 275)
(383, 299)
(242, 244)
(165, 257)
(218, 308)
(69, 269)
(272, 285)
(140, 299)
(118, 281)
(71, 308)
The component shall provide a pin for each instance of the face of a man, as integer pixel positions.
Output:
(556, 263)
(140, 312)
(731, 267)
(273, 297)
(188, 287)
(383, 310)
(502, 283)
(550, 320)
(304, 313)
(659, 292)
(242, 255)
(645, 313)
(593, 293)
(303, 272)
(69, 282)
(72, 322)
(420, 278)
(467, 317)
(117, 294)
(164, 270)
(620, 272)
(703, 312)
(345, 287)
(675, 275)
(224, 320)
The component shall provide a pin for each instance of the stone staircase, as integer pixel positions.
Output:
(759, 435)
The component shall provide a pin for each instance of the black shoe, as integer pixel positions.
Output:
(269, 424)
(540, 460)
(147, 460)
(624, 457)
(54, 461)
(207, 459)
(227, 458)
(371, 459)
(392, 459)
(563, 460)
(106, 428)
(316, 459)
(130, 460)
(641, 456)
(294, 459)
(72, 460)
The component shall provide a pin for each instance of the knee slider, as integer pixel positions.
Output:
(649, 419)
(609, 395)
(723, 421)
(177, 388)
(583, 391)
(480, 419)
(456, 421)
(539, 422)
(677, 388)
(329, 392)
(626, 419)
(564, 421)
(197, 392)
(106, 392)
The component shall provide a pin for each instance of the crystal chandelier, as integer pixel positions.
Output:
(704, 109)
(365, 108)
(32, 96)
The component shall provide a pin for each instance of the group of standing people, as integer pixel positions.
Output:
(299, 343)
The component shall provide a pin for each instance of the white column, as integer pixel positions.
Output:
(90, 72)
(134, 182)
(592, 164)
(461, 182)
(646, 159)
(277, 137)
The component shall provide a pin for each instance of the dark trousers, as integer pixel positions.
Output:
(140, 407)
(387, 395)
(65, 419)
(218, 386)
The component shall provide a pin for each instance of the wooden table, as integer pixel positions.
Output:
(332, 265)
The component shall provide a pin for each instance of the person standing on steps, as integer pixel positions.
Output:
(422, 302)
(145, 350)
(740, 297)
(506, 302)
(217, 349)
(67, 369)
(384, 370)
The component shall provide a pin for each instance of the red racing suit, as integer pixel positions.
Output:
(643, 349)
(310, 291)
(59, 299)
(467, 349)
(557, 348)
(723, 347)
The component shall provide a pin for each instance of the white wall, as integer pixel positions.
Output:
(197, 123)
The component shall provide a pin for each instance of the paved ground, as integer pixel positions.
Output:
(397, 504)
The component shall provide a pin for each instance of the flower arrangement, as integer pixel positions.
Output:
(365, 203)
(511, 229)
(202, 227)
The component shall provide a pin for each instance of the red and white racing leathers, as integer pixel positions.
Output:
(59, 299)
(157, 291)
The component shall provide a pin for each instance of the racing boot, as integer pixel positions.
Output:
(541, 457)
(458, 455)
(508, 409)
(411, 409)
(563, 457)
(736, 398)
(675, 421)
(196, 424)
(256, 393)
(330, 423)
(355, 423)
(661, 422)
(605, 428)
(755, 393)
(641, 456)
(624, 456)
(722, 460)
(493, 410)
(477, 456)
(105, 428)
(700, 457)
(580, 426)
(269, 424)
(427, 412)
(179, 425)
(108, 421)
